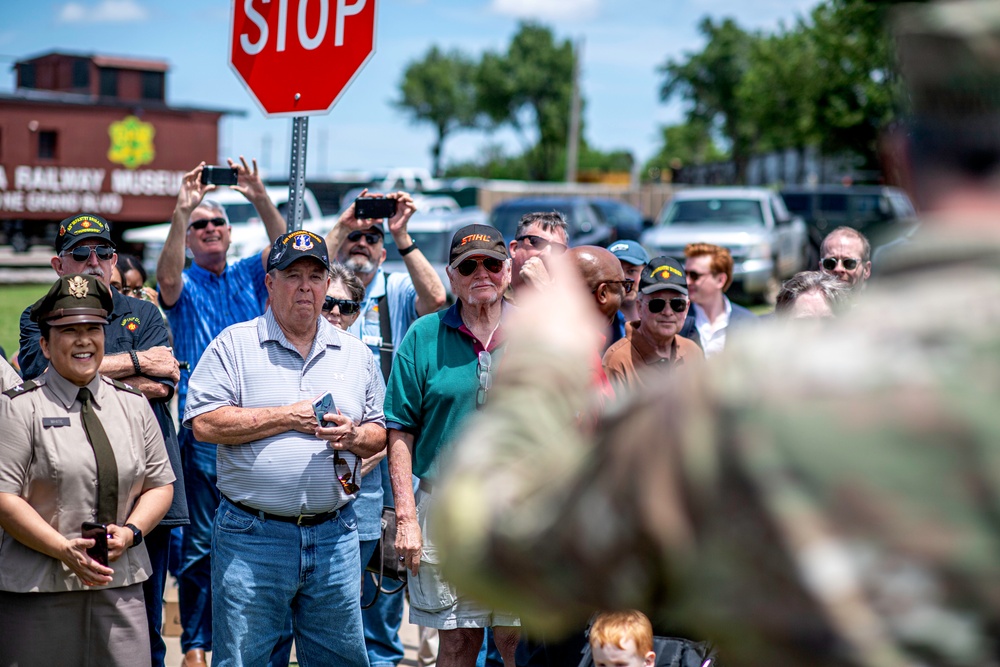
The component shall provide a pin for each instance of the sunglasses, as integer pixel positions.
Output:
(347, 307)
(371, 238)
(202, 224)
(81, 253)
(850, 263)
(694, 276)
(468, 266)
(540, 244)
(130, 291)
(345, 475)
(677, 304)
(485, 379)
(628, 283)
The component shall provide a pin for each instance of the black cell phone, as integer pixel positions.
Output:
(219, 176)
(99, 533)
(374, 207)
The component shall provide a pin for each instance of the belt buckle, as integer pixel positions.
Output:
(304, 517)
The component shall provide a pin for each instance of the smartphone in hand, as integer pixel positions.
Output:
(323, 405)
(219, 175)
(99, 533)
(374, 208)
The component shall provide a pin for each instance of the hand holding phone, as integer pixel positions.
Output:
(323, 405)
(99, 533)
(375, 208)
(219, 175)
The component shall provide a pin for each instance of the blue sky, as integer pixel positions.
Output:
(624, 42)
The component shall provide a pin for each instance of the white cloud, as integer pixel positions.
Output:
(105, 11)
(547, 10)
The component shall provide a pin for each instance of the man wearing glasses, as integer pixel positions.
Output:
(846, 253)
(538, 236)
(442, 375)
(655, 342)
(285, 539)
(712, 316)
(200, 302)
(136, 352)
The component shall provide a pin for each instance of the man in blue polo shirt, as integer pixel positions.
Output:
(200, 302)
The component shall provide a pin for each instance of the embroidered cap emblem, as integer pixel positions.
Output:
(302, 242)
(78, 287)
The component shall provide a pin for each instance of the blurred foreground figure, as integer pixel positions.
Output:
(832, 500)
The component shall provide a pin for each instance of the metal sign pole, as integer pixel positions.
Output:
(297, 172)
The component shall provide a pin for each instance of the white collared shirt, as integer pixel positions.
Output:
(713, 334)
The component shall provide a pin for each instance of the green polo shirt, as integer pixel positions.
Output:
(433, 384)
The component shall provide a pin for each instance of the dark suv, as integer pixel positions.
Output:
(883, 214)
(586, 224)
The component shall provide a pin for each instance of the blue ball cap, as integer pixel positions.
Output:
(630, 251)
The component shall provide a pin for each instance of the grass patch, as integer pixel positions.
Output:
(13, 300)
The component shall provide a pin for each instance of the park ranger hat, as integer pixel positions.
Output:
(74, 299)
(474, 241)
(81, 227)
(663, 273)
(294, 246)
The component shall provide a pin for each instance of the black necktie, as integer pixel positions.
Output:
(107, 468)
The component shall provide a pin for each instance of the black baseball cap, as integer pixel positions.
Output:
(663, 273)
(294, 246)
(74, 299)
(81, 227)
(475, 240)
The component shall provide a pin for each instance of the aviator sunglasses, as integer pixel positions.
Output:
(81, 253)
(850, 263)
(677, 304)
(347, 307)
(468, 267)
(540, 244)
(201, 224)
(371, 238)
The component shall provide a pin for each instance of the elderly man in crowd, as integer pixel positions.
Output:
(285, 538)
(391, 303)
(441, 376)
(709, 272)
(602, 273)
(846, 254)
(200, 302)
(811, 295)
(633, 259)
(655, 341)
(538, 235)
(136, 352)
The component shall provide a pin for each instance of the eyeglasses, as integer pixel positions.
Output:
(628, 283)
(677, 304)
(694, 276)
(540, 244)
(131, 291)
(371, 238)
(81, 253)
(468, 267)
(344, 473)
(850, 263)
(485, 379)
(203, 223)
(347, 307)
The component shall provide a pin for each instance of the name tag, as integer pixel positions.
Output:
(54, 421)
(374, 341)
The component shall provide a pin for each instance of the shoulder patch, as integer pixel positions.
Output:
(24, 388)
(118, 384)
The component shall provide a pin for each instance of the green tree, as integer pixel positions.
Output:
(708, 81)
(440, 89)
(530, 87)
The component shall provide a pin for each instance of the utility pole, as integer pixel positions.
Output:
(573, 144)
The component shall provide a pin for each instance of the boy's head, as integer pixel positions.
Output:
(622, 639)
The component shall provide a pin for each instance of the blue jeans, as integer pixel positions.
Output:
(158, 547)
(195, 577)
(262, 570)
(382, 619)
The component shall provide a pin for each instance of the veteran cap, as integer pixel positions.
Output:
(74, 298)
(294, 246)
(81, 227)
(475, 240)
(663, 273)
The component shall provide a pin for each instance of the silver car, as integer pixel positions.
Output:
(768, 244)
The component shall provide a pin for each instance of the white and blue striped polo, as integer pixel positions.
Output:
(252, 365)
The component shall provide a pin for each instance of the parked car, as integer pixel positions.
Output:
(883, 214)
(627, 221)
(586, 225)
(768, 244)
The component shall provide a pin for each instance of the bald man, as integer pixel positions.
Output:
(602, 272)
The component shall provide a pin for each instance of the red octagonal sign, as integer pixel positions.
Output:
(297, 57)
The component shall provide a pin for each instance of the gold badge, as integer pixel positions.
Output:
(78, 287)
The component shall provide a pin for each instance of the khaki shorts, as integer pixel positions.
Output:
(434, 603)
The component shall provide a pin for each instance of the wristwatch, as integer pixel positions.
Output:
(408, 249)
(136, 534)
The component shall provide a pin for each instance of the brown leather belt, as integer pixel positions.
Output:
(301, 520)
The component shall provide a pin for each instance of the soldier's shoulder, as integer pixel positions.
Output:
(25, 388)
(121, 386)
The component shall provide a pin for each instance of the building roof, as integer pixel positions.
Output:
(122, 62)
(56, 98)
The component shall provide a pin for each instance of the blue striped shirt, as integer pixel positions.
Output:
(252, 365)
(208, 304)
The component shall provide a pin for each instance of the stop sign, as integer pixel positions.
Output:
(297, 57)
